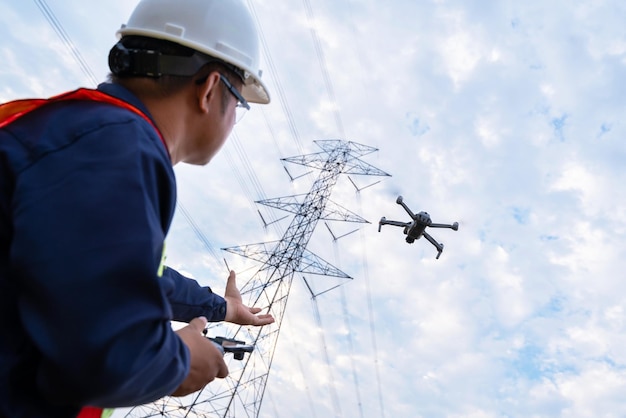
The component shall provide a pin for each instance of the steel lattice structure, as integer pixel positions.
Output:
(241, 393)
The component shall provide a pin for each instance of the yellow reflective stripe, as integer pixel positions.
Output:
(106, 413)
(162, 265)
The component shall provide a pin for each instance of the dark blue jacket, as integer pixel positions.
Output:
(87, 194)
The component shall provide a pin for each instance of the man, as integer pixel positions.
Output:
(87, 194)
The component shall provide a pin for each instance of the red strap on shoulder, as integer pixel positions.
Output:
(12, 111)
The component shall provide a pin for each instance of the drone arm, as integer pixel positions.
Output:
(454, 226)
(434, 242)
(384, 221)
(400, 202)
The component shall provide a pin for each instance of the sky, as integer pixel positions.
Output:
(505, 116)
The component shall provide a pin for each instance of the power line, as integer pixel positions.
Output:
(355, 376)
(296, 351)
(58, 28)
(330, 90)
(370, 311)
(331, 381)
(246, 177)
(199, 234)
(346, 320)
(278, 85)
(247, 165)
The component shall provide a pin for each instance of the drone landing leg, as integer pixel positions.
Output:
(435, 243)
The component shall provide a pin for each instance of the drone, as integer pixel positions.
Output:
(417, 228)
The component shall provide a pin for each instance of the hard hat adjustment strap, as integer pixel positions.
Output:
(151, 63)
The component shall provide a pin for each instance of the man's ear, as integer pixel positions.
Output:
(208, 91)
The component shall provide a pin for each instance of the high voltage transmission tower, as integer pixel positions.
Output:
(241, 393)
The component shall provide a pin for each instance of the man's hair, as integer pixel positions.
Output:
(167, 85)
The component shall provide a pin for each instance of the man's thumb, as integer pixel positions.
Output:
(231, 283)
(198, 323)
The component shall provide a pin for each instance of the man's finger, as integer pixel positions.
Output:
(264, 319)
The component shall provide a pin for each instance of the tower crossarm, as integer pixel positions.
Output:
(358, 166)
(351, 150)
(313, 264)
(332, 211)
(257, 252)
(336, 212)
(355, 149)
(353, 166)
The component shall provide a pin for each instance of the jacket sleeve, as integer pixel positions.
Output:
(90, 220)
(189, 300)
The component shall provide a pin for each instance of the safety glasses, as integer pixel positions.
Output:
(242, 104)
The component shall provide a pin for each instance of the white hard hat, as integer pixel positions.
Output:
(223, 29)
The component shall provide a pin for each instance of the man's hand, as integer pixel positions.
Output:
(207, 362)
(237, 312)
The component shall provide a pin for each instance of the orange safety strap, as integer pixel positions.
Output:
(12, 111)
